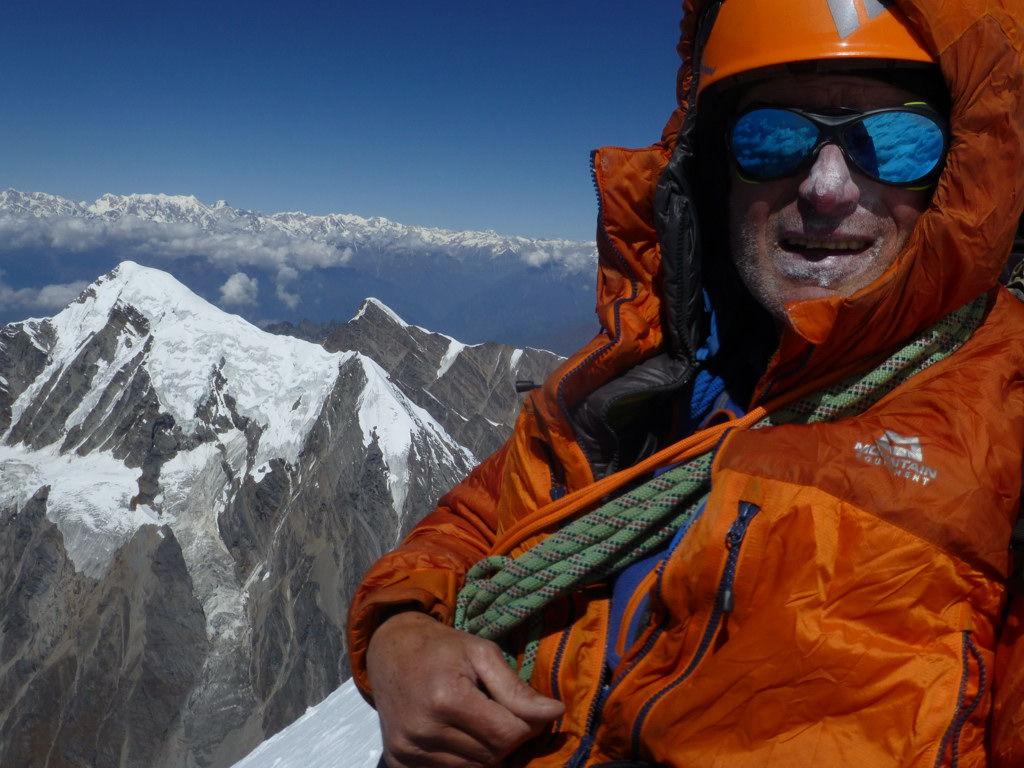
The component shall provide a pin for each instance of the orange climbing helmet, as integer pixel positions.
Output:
(755, 34)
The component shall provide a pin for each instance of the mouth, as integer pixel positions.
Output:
(816, 249)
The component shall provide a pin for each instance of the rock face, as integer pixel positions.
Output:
(466, 388)
(96, 672)
(187, 504)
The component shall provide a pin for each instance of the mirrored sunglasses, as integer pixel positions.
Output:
(903, 146)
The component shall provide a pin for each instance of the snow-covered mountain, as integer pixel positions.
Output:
(336, 230)
(476, 286)
(187, 504)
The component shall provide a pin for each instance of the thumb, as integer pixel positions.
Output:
(505, 687)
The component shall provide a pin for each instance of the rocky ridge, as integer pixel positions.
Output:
(188, 503)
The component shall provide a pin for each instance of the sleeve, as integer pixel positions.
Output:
(426, 571)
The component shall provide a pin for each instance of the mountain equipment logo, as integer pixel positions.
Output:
(844, 14)
(903, 456)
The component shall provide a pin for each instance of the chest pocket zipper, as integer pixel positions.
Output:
(949, 747)
(724, 603)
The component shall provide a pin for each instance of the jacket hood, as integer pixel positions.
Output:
(653, 251)
(959, 244)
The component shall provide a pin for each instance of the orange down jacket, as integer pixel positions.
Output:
(871, 624)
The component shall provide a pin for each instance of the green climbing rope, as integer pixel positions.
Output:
(501, 593)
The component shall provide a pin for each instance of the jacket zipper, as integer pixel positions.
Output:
(734, 537)
(627, 272)
(656, 631)
(724, 603)
(556, 666)
(582, 753)
(949, 747)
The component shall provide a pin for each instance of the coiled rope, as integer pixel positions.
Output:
(501, 592)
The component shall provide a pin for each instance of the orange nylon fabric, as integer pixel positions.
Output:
(869, 598)
(752, 35)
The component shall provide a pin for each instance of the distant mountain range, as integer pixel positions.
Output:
(285, 268)
(187, 504)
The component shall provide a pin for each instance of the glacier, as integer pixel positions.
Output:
(278, 383)
(168, 470)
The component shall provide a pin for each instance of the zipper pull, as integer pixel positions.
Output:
(738, 529)
(727, 601)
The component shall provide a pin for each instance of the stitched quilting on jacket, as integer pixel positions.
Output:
(865, 558)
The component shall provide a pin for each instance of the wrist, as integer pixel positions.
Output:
(398, 620)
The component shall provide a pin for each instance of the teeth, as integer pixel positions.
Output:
(829, 245)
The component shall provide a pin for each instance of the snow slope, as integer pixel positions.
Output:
(198, 358)
(339, 732)
(193, 352)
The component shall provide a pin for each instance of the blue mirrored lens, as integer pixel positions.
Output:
(772, 142)
(897, 147)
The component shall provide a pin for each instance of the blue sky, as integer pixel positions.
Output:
(463, 115)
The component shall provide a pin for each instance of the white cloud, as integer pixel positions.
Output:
(291, 300)
(537, 258)
(47, 300)
(285, 276)
(133, 238)
(240, 289)
(59, 296)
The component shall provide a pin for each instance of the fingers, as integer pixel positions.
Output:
(447, 699)
(507, 690)
(455, 726)
(434, 746)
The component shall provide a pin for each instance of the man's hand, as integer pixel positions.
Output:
(447, 699)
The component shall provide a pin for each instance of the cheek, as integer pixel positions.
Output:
(755, 203)
(747, 209)
(905, 206)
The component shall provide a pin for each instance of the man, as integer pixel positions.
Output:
(806, 409)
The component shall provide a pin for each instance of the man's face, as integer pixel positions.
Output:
(829, 229)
